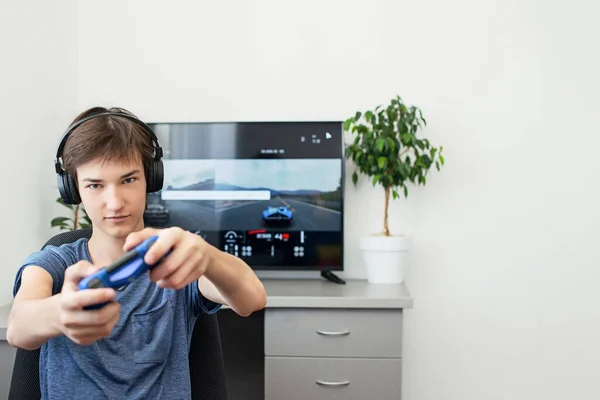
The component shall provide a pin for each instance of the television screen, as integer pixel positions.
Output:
(269, 193)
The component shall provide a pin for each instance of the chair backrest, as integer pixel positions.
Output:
(207, 369)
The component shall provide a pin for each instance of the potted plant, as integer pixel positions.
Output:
(388, 149)
(78, 220)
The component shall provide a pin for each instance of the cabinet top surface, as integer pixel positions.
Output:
(312, 293)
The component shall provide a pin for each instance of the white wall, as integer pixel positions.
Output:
(503, 270)
(37, 102)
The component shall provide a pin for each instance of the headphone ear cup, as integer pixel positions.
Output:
(62, 188)
(73, 189)
(68, 189)
(154, 181)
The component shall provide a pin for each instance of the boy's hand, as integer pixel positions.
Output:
(187, 262)
(85, 327)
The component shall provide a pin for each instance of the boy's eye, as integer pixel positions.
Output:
(130, 180)
(94, 185)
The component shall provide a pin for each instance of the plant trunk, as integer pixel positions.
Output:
(76, 218)
(386, 227)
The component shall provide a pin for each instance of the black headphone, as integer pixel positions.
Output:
(67, 186)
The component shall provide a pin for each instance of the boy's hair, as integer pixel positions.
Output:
(109, 138)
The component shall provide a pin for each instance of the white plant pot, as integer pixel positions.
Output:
(386, 257)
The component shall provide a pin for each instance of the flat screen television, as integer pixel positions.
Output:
(270, 193)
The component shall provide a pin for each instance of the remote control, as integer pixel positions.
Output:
(124, 270)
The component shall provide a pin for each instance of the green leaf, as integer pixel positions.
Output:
(405, 191)
(391, 144)
(64, 227)
(379, 144)
(376, 179)
(421, 117)
(394, 194)
(61, 201)
(426, 160)
(357, 157)
(347, 124)
(381, 161)
(357, 115)
(442, 159)
(59, 221)
(354, 177)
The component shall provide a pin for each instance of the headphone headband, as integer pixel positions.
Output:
(63, 140)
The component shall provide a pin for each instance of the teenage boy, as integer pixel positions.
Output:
(136, 346)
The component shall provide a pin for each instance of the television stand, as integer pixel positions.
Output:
(330, 276)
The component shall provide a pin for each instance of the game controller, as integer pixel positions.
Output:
(121, 272)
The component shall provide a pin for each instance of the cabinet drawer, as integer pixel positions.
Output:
(305, 378)
(333, 333)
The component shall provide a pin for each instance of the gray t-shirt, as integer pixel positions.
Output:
(145, 356)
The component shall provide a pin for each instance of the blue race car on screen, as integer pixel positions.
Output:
(277, 216)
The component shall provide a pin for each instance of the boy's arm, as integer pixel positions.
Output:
(34, 316)
(210, 291)
(229, 281)
(37, 316)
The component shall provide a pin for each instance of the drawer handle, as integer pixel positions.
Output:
(333, 384)
(341, 333)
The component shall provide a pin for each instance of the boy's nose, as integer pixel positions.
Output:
(114, 200)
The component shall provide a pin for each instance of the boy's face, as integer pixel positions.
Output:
(114, 195)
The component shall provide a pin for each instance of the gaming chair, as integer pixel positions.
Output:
(207, 369)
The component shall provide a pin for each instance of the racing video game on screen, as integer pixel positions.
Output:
(248, 194)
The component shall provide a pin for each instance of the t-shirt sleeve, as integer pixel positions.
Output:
(49, 260)
(198, 302)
